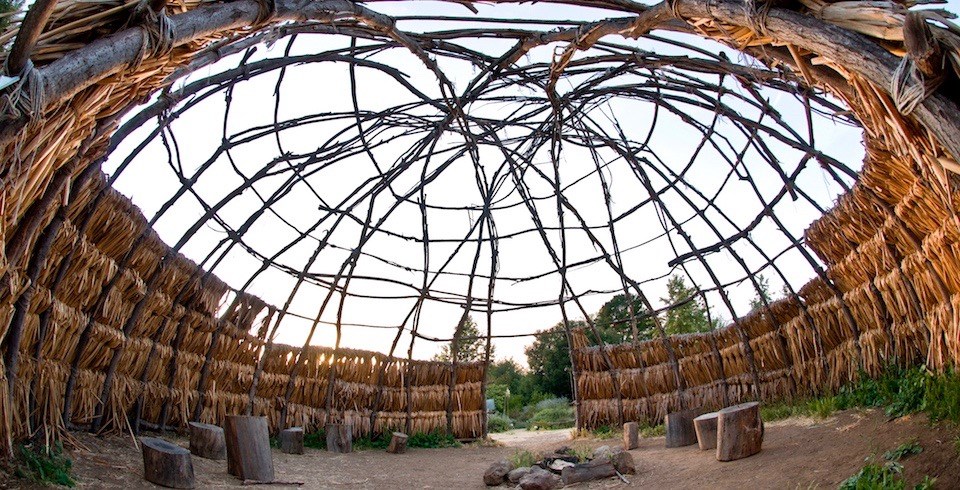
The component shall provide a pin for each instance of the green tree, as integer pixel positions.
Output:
(549, 360)
(689, 317)
(472, 344)
(763, 293)
(505, 372)
(613, 320)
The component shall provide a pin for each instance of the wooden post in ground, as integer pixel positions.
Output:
(680, 431)
(631, 435)
(207, 441)
(706, 427)
(739, 431)
(340, 438)
(398, 443)
(291, 440)
(166, 464)
(248, 448)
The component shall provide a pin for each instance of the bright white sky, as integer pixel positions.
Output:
(322, 88)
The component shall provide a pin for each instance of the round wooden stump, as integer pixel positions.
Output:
(248, 448)
(680, 431)
(207, 441)
(398, 443)
(291, 440)
(166, 464)
(706, 427)
(739, 431)
(340, 438)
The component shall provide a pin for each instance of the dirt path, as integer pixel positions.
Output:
(797, 453)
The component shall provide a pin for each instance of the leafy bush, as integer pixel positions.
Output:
(887, 476)
(558, 402)
(430, 440)
(605, 432)
(653, 430)
(552, 418)
(498, 423)
(44, 465)
(899, 391)
(522, 458)
(315, 440)
(904, 450)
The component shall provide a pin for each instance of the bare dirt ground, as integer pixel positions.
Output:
(797, 453)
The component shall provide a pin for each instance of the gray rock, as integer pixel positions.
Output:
(540, 480)
(623, 462)
(558, 465)
(601, 452)
(516, 474)
(497, 473)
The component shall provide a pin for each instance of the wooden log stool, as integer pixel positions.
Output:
(706, 427)
(398, 443)
(166, 464)
(340, 438)
(631, 436)
(680, 431)
(291, 440)
(207, 441)
(739, 431)
(248, 448)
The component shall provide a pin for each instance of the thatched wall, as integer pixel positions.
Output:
(892, 249)
(179, 337)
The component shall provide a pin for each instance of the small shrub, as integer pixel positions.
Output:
(432, 440)
(653, 430)
(555, 417)
(902, 451)
(315, 440)
(522, 458)
(367, 443)
(498, 423)
(942, 398)
(558, 402)
(44, 465)
(887, 476)
(583, 453)
(821, 407)
(605, 432)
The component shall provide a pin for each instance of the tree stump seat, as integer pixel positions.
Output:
(248, 448)
(680, 431)
(706, 427)
(207, 441)
(339, 438)
(166, 464)
(739, 431)
(291, 440)
(398, 443)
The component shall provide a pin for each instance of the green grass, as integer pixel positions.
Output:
(44, 465)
